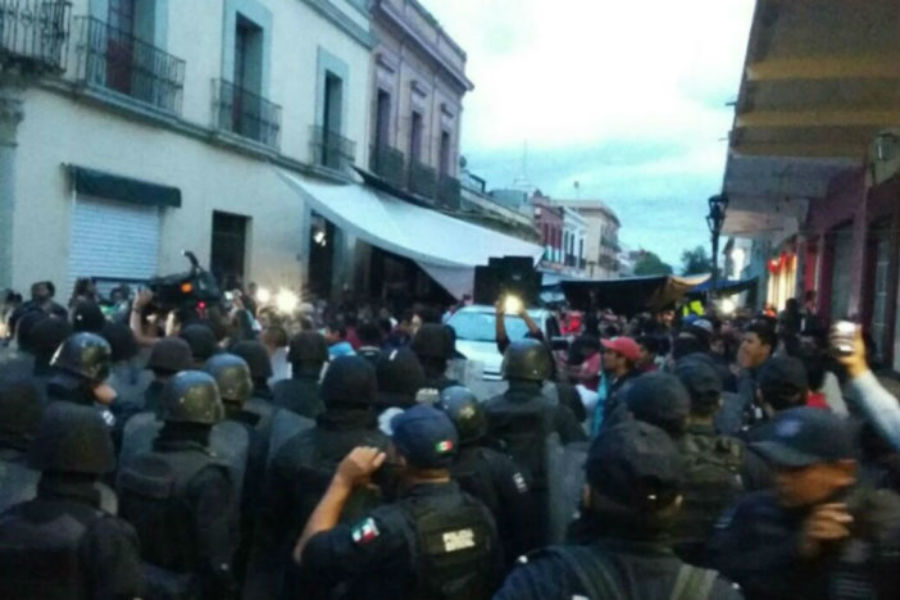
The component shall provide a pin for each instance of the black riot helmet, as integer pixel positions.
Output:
(465, 411)
(72, 439)
(528, 360)
(85, 355)
(349, 382)
(47, 336)
(24, 326)
(191, 397)
(20, 412)
(170, 355)
(201, 339)
(257, 359)
(433, 341)
(308, 348)
(232, 375)
(400, 376)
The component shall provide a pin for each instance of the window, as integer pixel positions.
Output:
(120, 45)
(415, 137)
(334, 98)
(382, 119)
(248, 55)
(229, 246)
(444, 164)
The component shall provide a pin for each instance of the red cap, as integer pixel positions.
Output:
(625, 346)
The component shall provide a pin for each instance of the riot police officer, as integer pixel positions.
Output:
(434, 542)
(307, 354)
(634, 473)
(20, 416)
(400, 378)
(527, 425)
(489, 475)
(62, 544)
(46, 338)
(433, 344)
(20, 360)
(81, 367)
(202, 340)
(180, 497)
(167, 357)
(300, 471)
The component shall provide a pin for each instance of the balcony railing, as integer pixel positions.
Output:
(34, 34)
(422, 179)
(448, 191)
(330, 149)
(244, 113)
(582, 264)
(388, 163)
(118, 61)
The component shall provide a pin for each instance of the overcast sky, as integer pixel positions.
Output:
(629, 98)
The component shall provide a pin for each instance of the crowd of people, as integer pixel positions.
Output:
(234, 451)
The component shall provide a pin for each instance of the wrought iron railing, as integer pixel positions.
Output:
(34, 34)
(448, 191)
(388, 163)
(422, 179)
(118, 61)
(330, 149)
(247, 114)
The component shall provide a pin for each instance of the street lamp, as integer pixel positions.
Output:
(718, 204)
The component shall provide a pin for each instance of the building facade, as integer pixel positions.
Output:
(416, 102)
(601, 237)
(149, 127)
(574, 227)
(548, 218)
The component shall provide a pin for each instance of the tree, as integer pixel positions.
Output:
(648, 263)
(696, 261)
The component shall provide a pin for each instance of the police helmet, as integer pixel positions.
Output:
(232, 375)
(20, 412)
(465, 411)
(349, 381)
(201, 339)
(170, 355)
(308, 347)
(257, 358)
(433, 341)
(72, 439)
(47, 336)
(400, 375)
(191, 397)
(527, 359)
(85, 355)
(25, 325)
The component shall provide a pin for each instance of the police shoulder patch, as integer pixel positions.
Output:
(365, 531)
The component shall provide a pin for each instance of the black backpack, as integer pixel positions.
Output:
(454, 551)
(712, 484)
(598, 579)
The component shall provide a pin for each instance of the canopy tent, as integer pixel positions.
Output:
(727, 287)
(446, 248)
(629, 295)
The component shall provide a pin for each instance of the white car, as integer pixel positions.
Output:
(476, 337)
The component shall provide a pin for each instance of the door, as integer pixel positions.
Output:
(229, 247)
(842, 240)
(120, 45)
(112, 239)
(880, 247)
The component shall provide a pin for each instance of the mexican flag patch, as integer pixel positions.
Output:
(365, 532)
(444, 447)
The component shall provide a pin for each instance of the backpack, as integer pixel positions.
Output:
(597, 577)
(453, 551)
(712, 484)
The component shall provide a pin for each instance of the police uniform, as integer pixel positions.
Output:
(181, 499)
(299, 473)
(62, 545)
(434, 542)
(433, 344)
(20, 415)
(627, 556)
(757, 541)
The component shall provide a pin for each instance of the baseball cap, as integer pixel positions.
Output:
(425, 436)
(783, 381)
(625, 346)
(700, 379)
(804, 436)
(661, 400)
(635, 464)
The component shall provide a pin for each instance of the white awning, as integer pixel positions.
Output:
(447, 249)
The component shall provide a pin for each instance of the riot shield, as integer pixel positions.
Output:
(565, 479)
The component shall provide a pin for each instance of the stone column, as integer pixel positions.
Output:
(11, 115)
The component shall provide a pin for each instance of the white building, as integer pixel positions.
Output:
(574, 228)
(601, 240)
(133, 129)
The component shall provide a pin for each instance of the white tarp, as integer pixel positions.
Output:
(447, 249)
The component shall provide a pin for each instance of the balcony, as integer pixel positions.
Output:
(331, 150)
(246, 114)
(582, 264)
(422, 179)
(448, 192)
(34, 35)
(388, 163)
(117, 61)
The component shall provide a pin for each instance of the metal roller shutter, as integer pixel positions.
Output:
(113, 239)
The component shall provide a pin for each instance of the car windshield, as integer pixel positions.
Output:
(481, 327)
